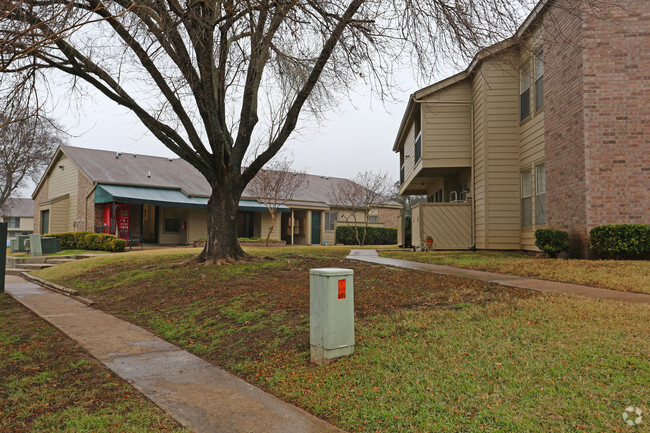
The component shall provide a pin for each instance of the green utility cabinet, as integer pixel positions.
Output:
(331, 323)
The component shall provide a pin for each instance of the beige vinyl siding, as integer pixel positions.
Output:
(449, 224)
(409, 150)
(197, 221)
(59, 215)
(172, 238)
(265, 223)
(502, 229)
(61, 182)
(480, 181)
(446, 127)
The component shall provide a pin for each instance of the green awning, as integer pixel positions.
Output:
(164, 197)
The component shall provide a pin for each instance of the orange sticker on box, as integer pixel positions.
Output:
(342, 289)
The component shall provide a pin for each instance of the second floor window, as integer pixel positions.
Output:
(13, 222)
(539, 79)
(524, 91)
(418, 148)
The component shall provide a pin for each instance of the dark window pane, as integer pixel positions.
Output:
(172, 225)
(418, 148)
(527, 211)
(540, 209)
(524, 104)
(539, 93)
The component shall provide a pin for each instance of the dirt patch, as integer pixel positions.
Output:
(227, 314)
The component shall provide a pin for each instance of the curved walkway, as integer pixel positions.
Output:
(372, 256)
(200, 395)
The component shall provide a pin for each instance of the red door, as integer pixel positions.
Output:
(122, 213)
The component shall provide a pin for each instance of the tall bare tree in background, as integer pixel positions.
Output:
(276, 185)
(210, 78)
(358, 198)
(27, 143)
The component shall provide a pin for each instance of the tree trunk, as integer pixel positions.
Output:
(268, 236)
(221, 244)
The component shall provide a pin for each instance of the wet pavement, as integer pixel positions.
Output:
(201, 396)
(372, 256)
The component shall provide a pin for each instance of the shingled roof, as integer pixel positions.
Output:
(107, 167)
(18, 207)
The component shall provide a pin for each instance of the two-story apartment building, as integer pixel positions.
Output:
(549, 128)
(18, 213)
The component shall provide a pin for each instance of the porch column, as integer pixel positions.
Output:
(293, 224)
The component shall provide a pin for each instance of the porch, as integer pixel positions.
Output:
(449, 224)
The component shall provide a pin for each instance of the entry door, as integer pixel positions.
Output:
(315, 227)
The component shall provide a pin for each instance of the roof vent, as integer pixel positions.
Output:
(134, 155)
(149, 173)
(170, 159)
(117, 155)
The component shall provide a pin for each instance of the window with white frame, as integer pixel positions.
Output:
(539, 79)
(526, 198)
(524, 91)
(330, 220)
(13, 222)
(540, 194)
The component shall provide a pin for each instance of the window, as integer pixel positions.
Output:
(524, 91)
(526, 199)
(330, 220)
(373, 219)
(13, 222)
(418, 147)
(540, 194)
(172, 225)
(45, 222)
(539, 79)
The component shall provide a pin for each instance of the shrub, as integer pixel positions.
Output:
(551, 241)
(90, 241)
(117, 245)
(374, 235)
(620, 241)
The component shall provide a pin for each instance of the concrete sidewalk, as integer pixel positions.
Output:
(372, 256)
(201, 396)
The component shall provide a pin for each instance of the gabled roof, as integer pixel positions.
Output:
(19, 207)
(111, 168)
(480, 56)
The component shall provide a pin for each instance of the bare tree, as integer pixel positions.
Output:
(275, 186)
(359, 197)
(209, 78)
(26, 146)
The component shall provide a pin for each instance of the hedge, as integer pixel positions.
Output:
(374, 236)
(620, 241)
(551, 241)
(90, 241)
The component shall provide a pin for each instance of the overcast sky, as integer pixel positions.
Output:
(358, 136)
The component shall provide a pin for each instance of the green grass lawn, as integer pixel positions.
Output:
(48, 384)
(621, 275)
(433, 353)
(60, 253)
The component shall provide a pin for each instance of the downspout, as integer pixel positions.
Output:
(471, 126)
(293, 225)
(86, 207)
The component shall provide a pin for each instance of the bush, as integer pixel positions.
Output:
(90, 241)
(551, 241)
(620, 241)
(374, 235)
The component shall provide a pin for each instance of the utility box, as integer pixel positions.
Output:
(331, 305)
(35, 247)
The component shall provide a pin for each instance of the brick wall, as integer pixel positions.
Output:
(564, 124)
(389, 217)
(85, 206)
(617, 115)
